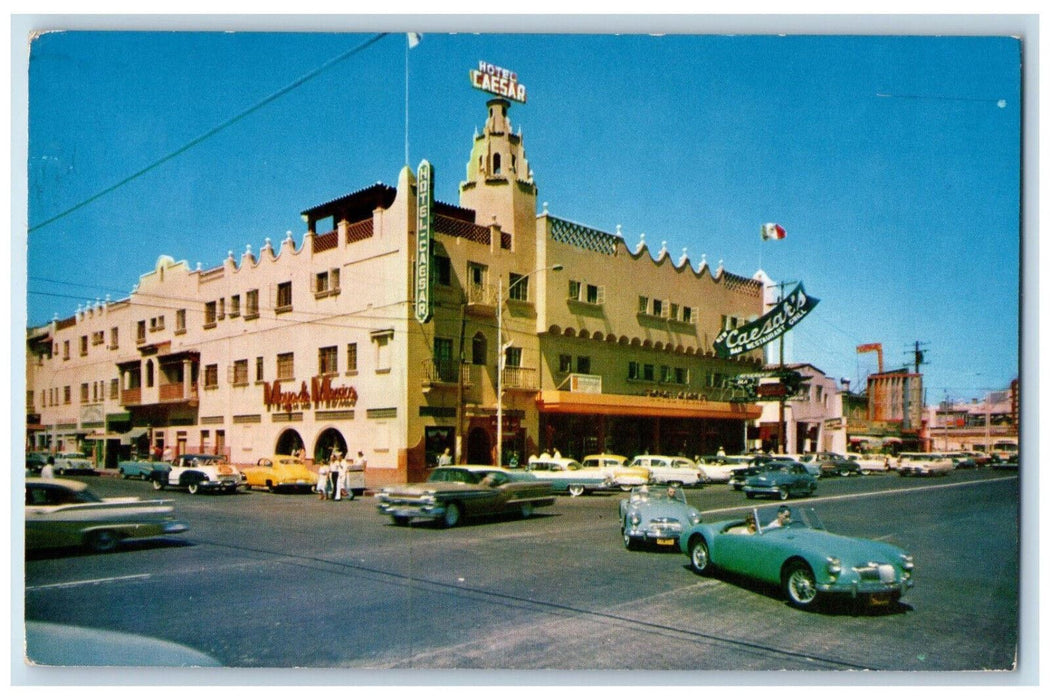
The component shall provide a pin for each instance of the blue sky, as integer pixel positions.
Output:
(893, 163)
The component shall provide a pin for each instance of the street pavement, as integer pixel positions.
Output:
(287, 581)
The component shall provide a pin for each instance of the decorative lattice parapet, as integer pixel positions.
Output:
(583, 237)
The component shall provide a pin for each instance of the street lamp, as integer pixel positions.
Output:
(502, 360)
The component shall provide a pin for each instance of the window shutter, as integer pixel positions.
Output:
(601, 295)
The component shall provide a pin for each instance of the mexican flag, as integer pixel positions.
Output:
(772, 231)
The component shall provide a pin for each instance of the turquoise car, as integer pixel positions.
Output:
(655, 515)
(139, 469)
(791, 549)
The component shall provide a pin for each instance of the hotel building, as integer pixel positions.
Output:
(317, 345)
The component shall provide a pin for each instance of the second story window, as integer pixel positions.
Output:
(259, 372)
(284, 297)
(251, 304)
(519, 287)
(140, 332)
(240, 372)
(180, 321)
(442, 270)
(328, 360)
(210, 313)
(211, 376)
(235, 306)
(326, 283)
(286, 366)
(351, 357)
(83, 345)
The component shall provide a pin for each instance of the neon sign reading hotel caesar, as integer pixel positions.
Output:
(498, 81)
(320, 394)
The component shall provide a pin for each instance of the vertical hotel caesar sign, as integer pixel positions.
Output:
(424, 233)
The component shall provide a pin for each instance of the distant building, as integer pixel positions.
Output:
(813, 417)
(318, 345)
(983, 426)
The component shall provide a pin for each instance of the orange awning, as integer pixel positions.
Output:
(568, 402)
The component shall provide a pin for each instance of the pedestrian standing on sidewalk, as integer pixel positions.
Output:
(322, 482)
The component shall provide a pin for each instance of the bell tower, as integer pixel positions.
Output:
(499, 185)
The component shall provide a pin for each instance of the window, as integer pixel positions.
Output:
(83, 345)
(574, 290)
(114, 338)
(240, 372)
(98, 337)
(180, 321)
(351, 357)
(251, 304)
(441, 270)
(286, 365)
(477, 274)
(259, 372)
(284, 297)
(84, 393)
(564, 363)
(382, 342)
(65, 349)
(583, 364)
(687, 314)
(519, 287)
(681, 375)
(658, 307)
(673, 314)
(149, 373)
(222, 308)
(235, 306)
(595, 294)
(513, 357)
(209, 314)
(496, 164)
(442, 350)
(114, 388)
(665, 373)
(325, 283)
(156, 324)
(634, 370)
(328, 360)
(479, 349)
(211, 376)
(643, 305)
(648, 372)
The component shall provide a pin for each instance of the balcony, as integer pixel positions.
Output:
(520, 379)
(482, 299)
(177, 393)
(443, 374)
(131, 397)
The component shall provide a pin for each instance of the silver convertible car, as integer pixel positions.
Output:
(655, 515)
(789, 547)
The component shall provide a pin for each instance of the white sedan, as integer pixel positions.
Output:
(679, 471)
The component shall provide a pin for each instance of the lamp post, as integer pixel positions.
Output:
(502, 360)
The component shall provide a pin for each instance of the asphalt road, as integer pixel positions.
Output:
(283, 580)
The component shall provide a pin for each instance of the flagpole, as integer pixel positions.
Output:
(407, 48)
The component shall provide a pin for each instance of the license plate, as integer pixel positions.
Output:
(664, 541)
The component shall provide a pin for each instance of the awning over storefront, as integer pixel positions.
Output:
(567, 402)
(102, 436)
(132, 435)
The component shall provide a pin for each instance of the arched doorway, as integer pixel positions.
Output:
(479, 447)
(329, 441)
(289, 442)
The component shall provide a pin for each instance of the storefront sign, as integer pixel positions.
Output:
(751, 336)
(498, 81)
(320, 394)
(585, 383)
(424, 233)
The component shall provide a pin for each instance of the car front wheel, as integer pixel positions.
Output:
(575, 490)
(193, 487)
(700, 556)
(782, 493)
(102, 541)
(526, 508)
(628, 541)
(800, 585)
(451, 515)
(158, 484)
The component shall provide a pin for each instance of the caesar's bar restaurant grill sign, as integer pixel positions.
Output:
(780, 319)
(320, 393)
(424, 234)
(498, 81)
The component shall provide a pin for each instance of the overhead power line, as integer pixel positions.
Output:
(208, 134)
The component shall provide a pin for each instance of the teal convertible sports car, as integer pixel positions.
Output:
(789, 547)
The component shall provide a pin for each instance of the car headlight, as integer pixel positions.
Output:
(694, 518)
(834, 567)
(907, 565)
(635, 519)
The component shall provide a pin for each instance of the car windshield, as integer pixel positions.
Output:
(670, 494)
(790, 516)
(462, 476)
